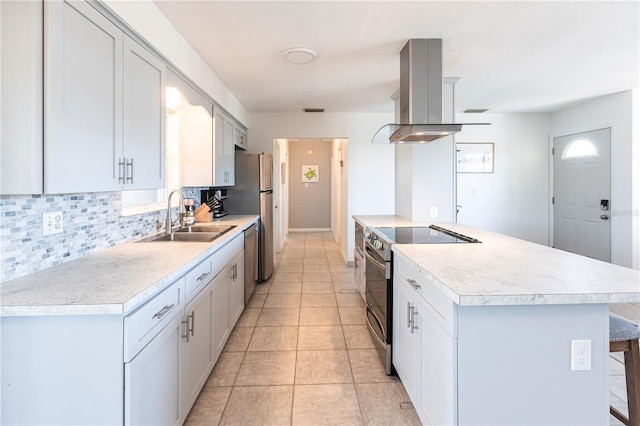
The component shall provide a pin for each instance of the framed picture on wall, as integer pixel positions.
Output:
(310, 173)
(474, 157)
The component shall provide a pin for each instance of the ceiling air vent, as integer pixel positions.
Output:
(313, 109)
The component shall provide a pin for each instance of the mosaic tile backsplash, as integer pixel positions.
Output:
(91, 222)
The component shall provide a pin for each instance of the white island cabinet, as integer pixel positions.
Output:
(482, 333)
(132, 345)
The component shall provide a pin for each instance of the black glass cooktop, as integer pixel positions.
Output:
(424, 235)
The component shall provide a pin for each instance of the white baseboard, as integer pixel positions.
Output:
(309, 229)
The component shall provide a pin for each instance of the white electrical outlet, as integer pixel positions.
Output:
(581, 355)
(52, 223)
(433, 212)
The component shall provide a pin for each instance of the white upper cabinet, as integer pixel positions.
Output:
(83, 99)
(193, 127)
(224, 150)
(104, 105)
(240, 137)
(144, 125)
(21, 97)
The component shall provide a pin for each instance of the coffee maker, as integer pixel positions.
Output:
(215, 199)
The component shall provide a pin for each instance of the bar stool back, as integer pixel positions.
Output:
(623, 337)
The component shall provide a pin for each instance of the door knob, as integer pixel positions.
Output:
(604, 216)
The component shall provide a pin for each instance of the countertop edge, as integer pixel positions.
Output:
(131, 304)
(505, 299)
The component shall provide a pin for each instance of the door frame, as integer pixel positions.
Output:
(551, 204)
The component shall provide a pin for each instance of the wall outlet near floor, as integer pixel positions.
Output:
(52, 223)
(581, 355)
(433, 212)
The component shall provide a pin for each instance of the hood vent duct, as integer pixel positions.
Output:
(421, 117)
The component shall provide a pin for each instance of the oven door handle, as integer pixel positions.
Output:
(382, 342)
(375, 261)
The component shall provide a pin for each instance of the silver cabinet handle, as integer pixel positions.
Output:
(413, 321)
(408, 314)
(202, 277)
(185, 324)
(121, 169)
(129, 176)
(164, 311)
(193, 322)
(413, 283)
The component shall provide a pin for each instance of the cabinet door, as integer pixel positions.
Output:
(21, 100)
(83, 99)
(144, 118)
(224, 151)
(236, 289)
(198, 350)
(439, 363)
(194, 132)
(239, 137)
(152, 380)
(407, 347)
(221, 328)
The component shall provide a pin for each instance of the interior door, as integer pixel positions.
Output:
(582, 193)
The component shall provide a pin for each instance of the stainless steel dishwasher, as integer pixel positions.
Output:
(250, 261)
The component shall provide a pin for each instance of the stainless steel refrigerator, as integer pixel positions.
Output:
(253, 194)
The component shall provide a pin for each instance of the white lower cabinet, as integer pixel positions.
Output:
(424, 346)
(407, 335)
(236, 289)
(152, 378)
(196, 340)
(144, 368)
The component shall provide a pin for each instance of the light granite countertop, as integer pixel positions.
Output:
(111, 281)
(508, 271)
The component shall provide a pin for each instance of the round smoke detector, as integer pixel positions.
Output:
(299, 55)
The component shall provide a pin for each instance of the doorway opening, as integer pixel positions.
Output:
(310, 187)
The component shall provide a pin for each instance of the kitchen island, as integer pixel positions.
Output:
(127, 335)
(483, 333)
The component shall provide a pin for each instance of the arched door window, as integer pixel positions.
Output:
(579, 149)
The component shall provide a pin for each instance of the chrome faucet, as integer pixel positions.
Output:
(180, 209)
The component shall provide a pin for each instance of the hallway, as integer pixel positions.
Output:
(301, 352)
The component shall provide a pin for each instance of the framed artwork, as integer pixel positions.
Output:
(310, 173)
(474, 157)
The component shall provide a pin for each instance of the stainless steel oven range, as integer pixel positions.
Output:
(379, 274)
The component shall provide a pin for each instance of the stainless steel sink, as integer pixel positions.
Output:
(199, 237)
(196, 234)
(205, 228)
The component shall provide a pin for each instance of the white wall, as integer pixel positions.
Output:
(369, 168)
(310, 204)
(514, 199)
(425, 173)
(147, 20)
(615, 111)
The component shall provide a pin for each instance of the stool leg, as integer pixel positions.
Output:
(632, 373)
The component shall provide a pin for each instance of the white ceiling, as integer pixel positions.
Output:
(511, 56)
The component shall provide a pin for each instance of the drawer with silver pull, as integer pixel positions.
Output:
(226, 253)
(199, 277)
(142, 325)
(443, 309)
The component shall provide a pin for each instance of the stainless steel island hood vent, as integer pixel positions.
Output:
(420, 96)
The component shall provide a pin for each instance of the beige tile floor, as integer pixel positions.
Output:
(301, 353)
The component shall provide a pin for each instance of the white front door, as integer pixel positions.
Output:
(582, 189)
